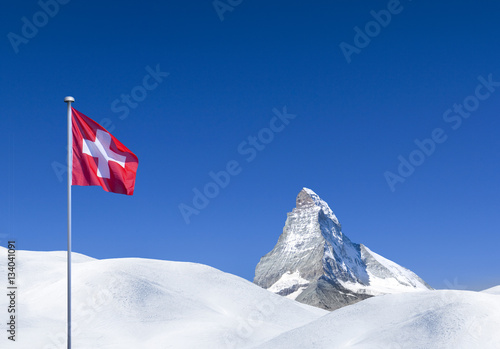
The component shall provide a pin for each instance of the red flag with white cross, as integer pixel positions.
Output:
(101, 159)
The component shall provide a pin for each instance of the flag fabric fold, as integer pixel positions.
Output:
(101, 159)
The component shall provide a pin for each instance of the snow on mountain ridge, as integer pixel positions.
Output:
(382, 268)
(292, 282)
(322, 204)
(493, 290)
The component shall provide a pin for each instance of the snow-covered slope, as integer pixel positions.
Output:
(421, 320)
(315, 263)
(493, 290)
(139, 303)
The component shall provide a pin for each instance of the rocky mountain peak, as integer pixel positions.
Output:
(313, 262)
(304, 199)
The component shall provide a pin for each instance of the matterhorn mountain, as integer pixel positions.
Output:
(316, 264)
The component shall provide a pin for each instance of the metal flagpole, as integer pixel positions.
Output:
(69, 100)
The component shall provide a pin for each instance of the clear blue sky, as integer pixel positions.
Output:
(353, 120)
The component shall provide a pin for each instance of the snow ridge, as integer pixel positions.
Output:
(445, 319)
(131, 303)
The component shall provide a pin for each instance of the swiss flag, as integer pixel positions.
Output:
(100, 159)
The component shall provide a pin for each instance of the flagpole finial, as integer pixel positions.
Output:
(69, 99)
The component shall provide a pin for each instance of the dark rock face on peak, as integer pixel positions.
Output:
(316, 264)
(304, 200)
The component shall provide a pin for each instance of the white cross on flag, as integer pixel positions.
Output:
(100, 159)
